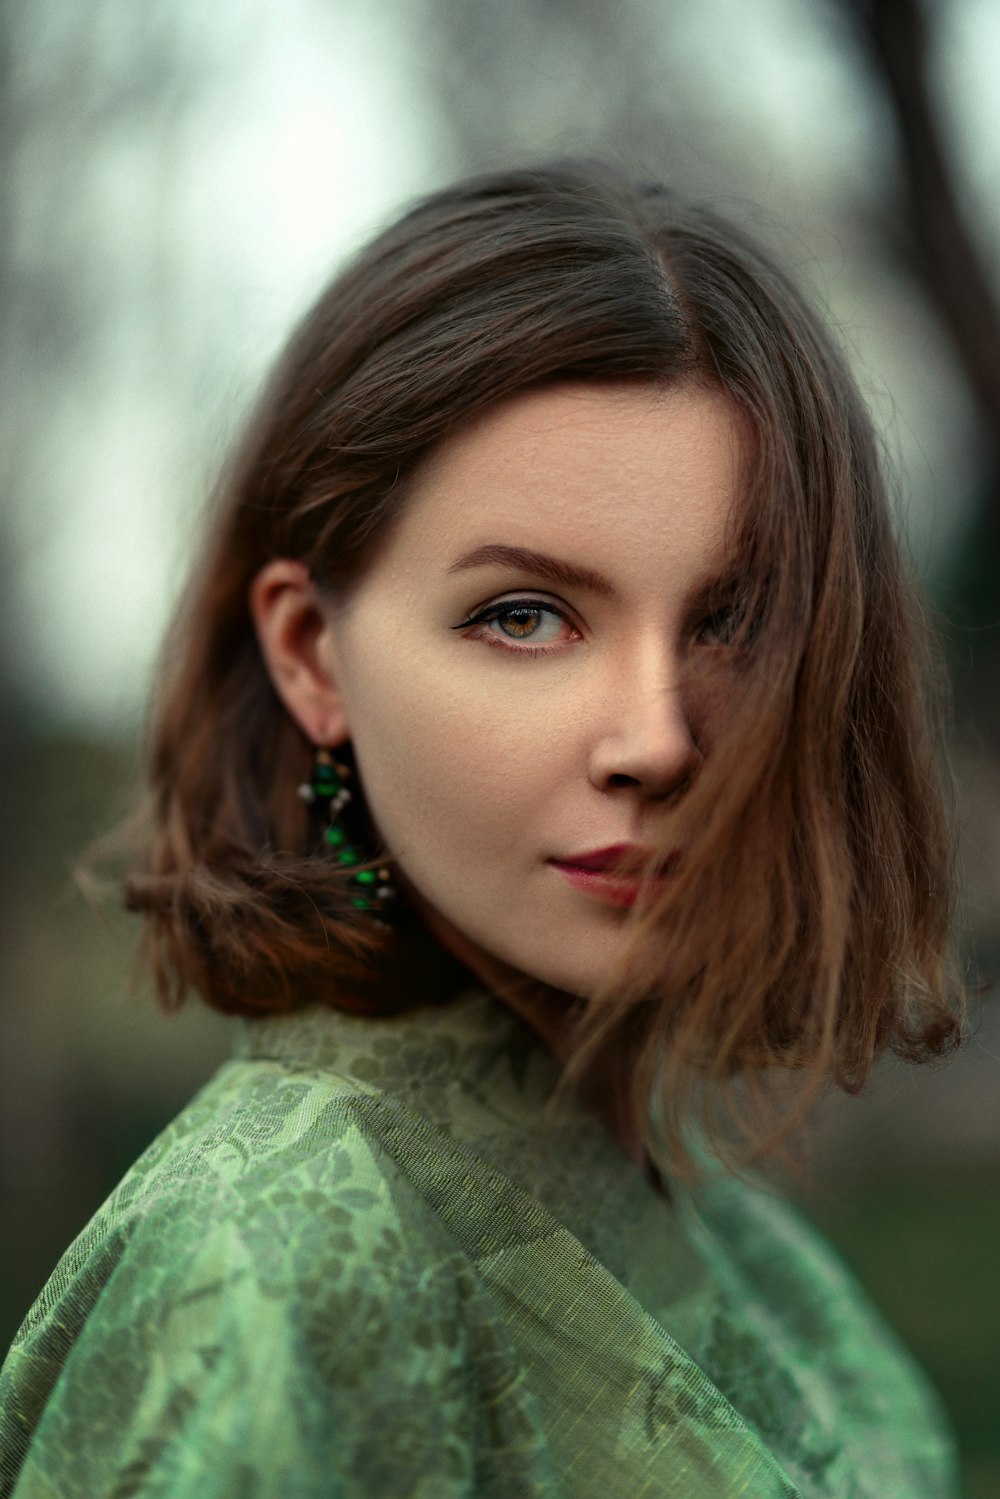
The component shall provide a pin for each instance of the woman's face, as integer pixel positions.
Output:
(508, 714)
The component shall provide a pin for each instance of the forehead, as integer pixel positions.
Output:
(630, 479)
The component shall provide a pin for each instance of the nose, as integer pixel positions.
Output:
(651, 741)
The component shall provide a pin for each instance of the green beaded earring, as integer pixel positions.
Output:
(372, 890)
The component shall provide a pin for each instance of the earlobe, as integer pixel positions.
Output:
(294, 634)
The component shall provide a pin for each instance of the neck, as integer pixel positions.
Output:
(548, 1012)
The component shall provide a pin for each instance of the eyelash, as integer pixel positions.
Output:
(511, 606)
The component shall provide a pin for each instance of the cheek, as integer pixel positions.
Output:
(452, 762)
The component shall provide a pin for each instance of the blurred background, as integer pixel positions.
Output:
(179, 180)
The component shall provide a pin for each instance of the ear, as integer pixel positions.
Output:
(296, 642)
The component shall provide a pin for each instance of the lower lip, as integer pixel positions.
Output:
(616, 889)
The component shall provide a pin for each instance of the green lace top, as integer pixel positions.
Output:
(350, 1267)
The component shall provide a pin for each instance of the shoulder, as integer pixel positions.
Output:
(265, 1266)
(276, 1175)
(773, 1263)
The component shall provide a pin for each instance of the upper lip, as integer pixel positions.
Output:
(606, 858)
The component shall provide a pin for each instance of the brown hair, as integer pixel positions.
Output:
(809, 928)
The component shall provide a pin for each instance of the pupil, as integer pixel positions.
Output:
(523, 621)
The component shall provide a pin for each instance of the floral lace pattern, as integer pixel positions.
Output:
(354, 1266)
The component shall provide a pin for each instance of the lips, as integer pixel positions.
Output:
(592, 874)
(609, 858)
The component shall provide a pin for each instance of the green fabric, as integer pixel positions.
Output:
(353, 1267)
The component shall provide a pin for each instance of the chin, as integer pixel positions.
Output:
(504, 966)
(573, 965)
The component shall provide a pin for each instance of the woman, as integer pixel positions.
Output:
(540, 763)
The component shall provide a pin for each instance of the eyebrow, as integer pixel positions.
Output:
(568, 574)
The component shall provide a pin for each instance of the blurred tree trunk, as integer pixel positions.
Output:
(11, 721)
(14, 1122)
(947, 260)
(939, 249)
